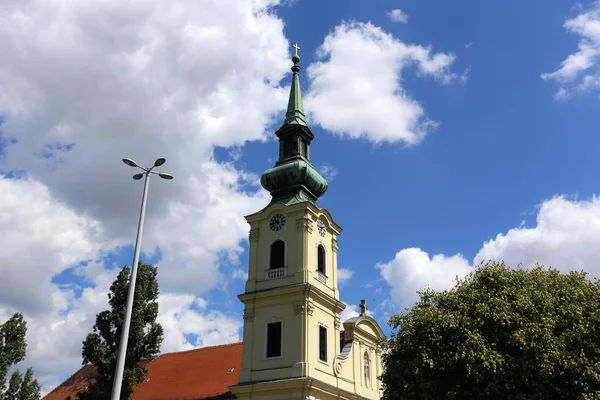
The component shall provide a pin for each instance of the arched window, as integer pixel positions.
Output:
(367, 368)
(321, 259)
(277, 259)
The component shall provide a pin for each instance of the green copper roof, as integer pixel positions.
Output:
(294, 182)
(295, 110)
(293, 179)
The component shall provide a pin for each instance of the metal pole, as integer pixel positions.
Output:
(118, 379)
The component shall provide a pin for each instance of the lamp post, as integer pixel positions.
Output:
(118, 379)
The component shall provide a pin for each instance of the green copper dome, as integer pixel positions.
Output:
(294, 182)
(293, 179)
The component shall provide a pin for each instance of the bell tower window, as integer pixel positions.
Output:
(305, 149)
(321, 259)
(277, 256)
(292, 146)
(274, 339)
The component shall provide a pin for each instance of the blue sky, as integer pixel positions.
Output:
(454, 133)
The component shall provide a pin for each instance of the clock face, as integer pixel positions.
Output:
(277, 222)
(321, 227)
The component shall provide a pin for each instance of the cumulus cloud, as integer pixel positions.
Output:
(54, 339)
(579, 71)
(40, 238)
(182, 315)
(413, 269)
(564, 237)
(144, 80)
(344, 275)
(84, 84)
(350, 311)
(361, 70)
(397, 15)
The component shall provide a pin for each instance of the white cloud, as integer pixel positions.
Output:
(40, 237)
(54, 339)
(584, 60)
(412, 269)
(328, 171)
(179, 317)
(239, 273)
(565, 237)
(362, 71)
(84, 84)
(350, 311)
(145, 80)
(344, 275)
(397, 15)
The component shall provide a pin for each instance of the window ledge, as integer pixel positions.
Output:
(272, 358)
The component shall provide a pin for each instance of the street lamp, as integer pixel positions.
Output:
(118, 380)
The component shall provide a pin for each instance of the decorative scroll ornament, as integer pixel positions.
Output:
(337, 368)
(304, 307)
(304, 225)
(334, 245)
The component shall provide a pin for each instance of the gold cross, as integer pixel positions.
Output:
(297, 48)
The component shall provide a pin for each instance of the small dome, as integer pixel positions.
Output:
(292, 178)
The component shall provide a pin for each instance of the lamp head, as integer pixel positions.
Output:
(137, 177)
(159, 162)
(130, 162)
(165, 176)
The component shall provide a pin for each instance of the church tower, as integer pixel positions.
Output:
(291, 341)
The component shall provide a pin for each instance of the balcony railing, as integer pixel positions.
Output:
(276, 273)
(321, 278)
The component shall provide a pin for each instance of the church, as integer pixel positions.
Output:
(293, 346)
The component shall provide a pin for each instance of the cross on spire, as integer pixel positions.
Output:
(296, 47)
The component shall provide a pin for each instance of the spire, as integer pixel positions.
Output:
(293, 179)
(295, 111)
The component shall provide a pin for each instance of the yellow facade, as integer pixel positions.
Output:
(292, 347)
(306, 303)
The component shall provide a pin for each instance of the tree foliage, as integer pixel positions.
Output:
(145, 335)
(12, 350)
(499, 334)
(23, 387)
(12, 345)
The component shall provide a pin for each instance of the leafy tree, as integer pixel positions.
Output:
(12, 345)
(23, 388)
(145, 335)
(499, 334)
(12, 350)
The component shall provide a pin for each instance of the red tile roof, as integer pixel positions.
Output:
(196, 374)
